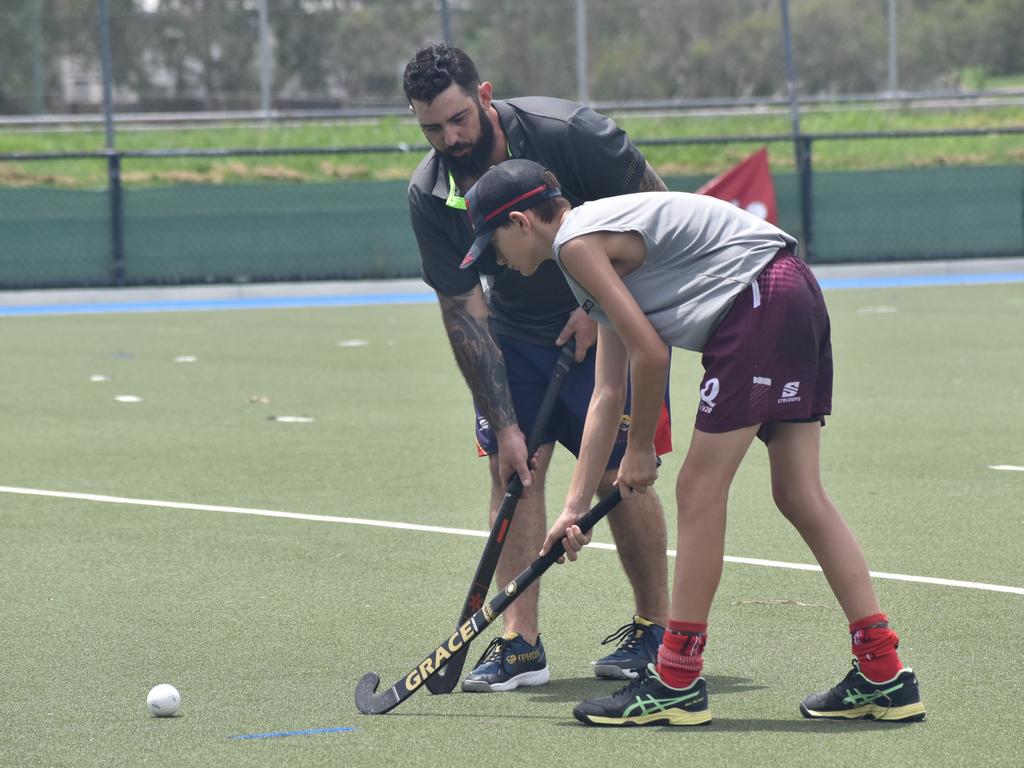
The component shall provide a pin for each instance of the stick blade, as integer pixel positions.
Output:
(366, 701)
(447, 677)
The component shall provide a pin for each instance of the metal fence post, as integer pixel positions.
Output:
(582, 65)
(117, 265)
(801, 143)
(804, 167)
(264, 44)
(446, 22)
(113, 158)
(892, 28)
(38, 67)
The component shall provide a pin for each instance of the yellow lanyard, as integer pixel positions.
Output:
(455, 200)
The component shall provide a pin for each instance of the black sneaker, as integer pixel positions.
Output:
(857, 698)
(507, 663)
(638, 648)
(648, 701)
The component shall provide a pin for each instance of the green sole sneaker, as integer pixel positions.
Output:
(648, 701)
(857, 698)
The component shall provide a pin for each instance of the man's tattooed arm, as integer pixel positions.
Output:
(478, 355)
(651, 182)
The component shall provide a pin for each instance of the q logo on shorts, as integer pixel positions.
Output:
(708, 393)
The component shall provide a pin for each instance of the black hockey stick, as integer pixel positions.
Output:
(448, 677)
(371, 703)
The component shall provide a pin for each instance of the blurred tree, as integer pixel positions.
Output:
(753, 65)
(840, 46)
(204, 54)
(525, 47)
(205, 50)
(1001, 37)
(16, 40)
(302, 45)
(374, 43)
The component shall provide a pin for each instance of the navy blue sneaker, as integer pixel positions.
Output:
(648, 701)
(507, 663)
(857, 698)
(638, 647)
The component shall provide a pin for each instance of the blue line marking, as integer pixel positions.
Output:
(304, 732)
(207, 305)
(424, 297)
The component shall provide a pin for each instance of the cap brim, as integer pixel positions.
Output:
(483, 239)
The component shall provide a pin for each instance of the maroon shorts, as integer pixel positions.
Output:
(770, 359)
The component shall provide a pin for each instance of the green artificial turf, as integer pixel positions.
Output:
(265, 624)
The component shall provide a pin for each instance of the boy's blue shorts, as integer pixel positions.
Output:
(529, 368)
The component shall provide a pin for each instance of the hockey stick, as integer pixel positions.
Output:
(371, 703)
(448, 677)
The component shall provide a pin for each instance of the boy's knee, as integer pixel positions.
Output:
(694, 498)
(798, 503)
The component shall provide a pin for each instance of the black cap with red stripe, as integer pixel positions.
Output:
(514, 185)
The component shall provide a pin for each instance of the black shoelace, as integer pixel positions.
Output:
(630, 634)
(493, 651)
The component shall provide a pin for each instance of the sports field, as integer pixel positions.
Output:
(263, 565)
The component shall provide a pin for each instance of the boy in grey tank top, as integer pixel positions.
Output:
(666, 269)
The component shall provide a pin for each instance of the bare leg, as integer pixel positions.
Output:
(702, 490)
(638, 527)
(796, 486)
(523, 542)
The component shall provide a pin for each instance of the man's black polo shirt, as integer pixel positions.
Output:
(592, 158)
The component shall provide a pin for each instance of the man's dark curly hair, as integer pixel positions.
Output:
(434, 68)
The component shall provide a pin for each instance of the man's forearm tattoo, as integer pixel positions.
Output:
(480, 360)
(651, 182)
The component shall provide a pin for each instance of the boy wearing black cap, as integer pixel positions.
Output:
(673, 269)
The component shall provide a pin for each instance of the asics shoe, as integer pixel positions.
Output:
(507, 663)
(857, 698)
(648, 701)
(638, 647)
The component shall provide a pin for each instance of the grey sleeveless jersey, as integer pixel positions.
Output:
(701, 253)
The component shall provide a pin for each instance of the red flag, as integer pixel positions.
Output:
(747, 185)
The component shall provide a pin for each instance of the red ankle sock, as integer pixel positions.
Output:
(681, 655)
(874, 645)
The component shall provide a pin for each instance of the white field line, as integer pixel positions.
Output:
(239, 511)
(465, 532)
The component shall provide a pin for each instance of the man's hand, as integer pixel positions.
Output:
(512, 456)
(583, 329)
(637, 471)
(565, 528)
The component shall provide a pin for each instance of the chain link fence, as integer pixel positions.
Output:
(279, 55)
(275, 58)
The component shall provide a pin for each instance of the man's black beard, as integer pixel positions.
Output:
(476, 163)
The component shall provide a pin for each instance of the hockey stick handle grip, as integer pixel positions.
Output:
(534, 571)
(586, 524)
